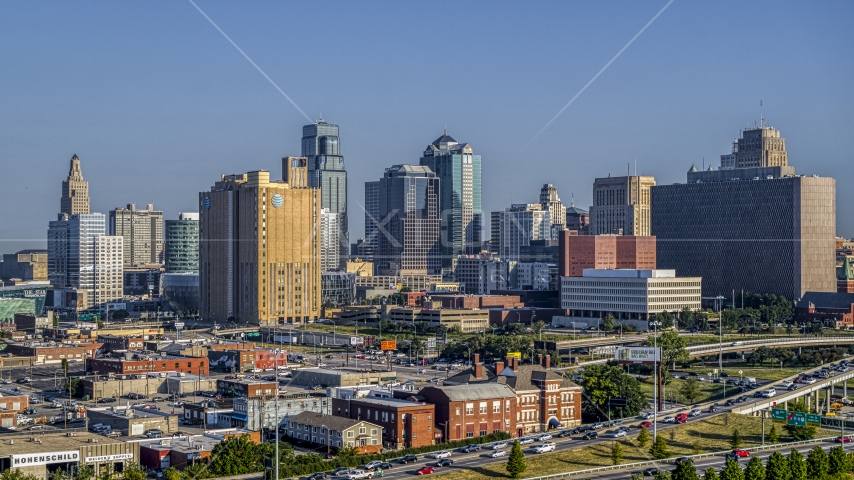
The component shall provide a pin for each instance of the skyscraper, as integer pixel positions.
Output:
(329, 234)
(550, 201)
(458, 170)
(181, 243)
(75, 191)
(372, 218)
(409, 206)
(518, 226)
(621, 205)
(259, 247)
(758, 147)
(142, 231)
(321, 146)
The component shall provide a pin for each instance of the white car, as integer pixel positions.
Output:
(546, 447)
(497, 453)
(373, 465)
(695, 412)
(526, 441)
(392, 384)
(499, 445)
(256, 370)
(544, 437)
(441, 454)
(618, 434)
(668, 420)
(358, 475)
(788, 383)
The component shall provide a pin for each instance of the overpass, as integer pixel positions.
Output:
(809, 394)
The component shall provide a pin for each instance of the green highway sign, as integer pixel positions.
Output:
(778, 415)
(796, 419)
(813, 419)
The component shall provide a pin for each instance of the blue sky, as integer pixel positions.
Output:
(157, 104)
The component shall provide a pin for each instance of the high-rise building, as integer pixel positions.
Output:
(758, 147)
(142, 231)
(458, 169)
(80, 256)
(518, 226)
(582, 252)
(26, 265)
(763, 230)
(259, 247)
(550, 201)
(329, 234)
(621, 205)
(75, 191)
(321, 146)
(409, 206)
(480, 274)
(373, 220)
(181, 244)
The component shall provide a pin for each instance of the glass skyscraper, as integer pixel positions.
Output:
(182, 243)
(458, 170)
(321, 146)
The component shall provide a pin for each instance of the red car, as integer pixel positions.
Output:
(740, 453)
(425, 471)
(681, 420)
(645, 425)
(842, 439)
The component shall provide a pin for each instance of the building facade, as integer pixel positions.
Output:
(142, 231)
(181, 244)
(550, 201)
(480, 274)
(409, 207)
(373, 220)
(458, 170)
(757, 148)
(259, 253)
(580, 252)
(26, 265)
(405, 424)
(330, 245)
(152, 364)
(467, 411)
(335, 432)
(518, 226)
(75, 191)
(339, 288)
(621, 205)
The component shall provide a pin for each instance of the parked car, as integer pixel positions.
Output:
(23, 380)
(597, 426)
(425, 471)
(154, 433)
(545, 447)
(107, 400)
(497, 453)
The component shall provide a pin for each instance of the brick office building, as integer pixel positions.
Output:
(165, 363)
(247, 388)
(405, 424)
(45, 353)
(578, 252)
(466, 411)
(114, 342)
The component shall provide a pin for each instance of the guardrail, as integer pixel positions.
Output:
(771, 342)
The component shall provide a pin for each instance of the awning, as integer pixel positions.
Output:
(554, 423)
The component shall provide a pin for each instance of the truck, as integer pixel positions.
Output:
(750, 381)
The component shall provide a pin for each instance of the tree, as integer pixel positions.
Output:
(732, 471)
(133, 471)
(16, 474)
(516, 465)
(777, 468)
(817, 463)
(690, 390)
(685, 471)
(604, 382)
(64, 364)
(643, 438)
(686, 318)
(608, 323)
(774, 435)
(736, 441)
(120, 314)
(73, 386)
(663, 475)
(796, 465)
(659, 448)
(711, 474)
(616, 453)
(236, 456)
(59, 474)
(755, 470)
(84, 472)
(538, 327)
(799, 433)
(838, 461)
(171, 473)
(196, 471)
(673, 347)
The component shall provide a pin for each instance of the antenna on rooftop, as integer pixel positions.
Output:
(761, 120)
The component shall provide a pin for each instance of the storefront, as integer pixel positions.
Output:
(41, 455)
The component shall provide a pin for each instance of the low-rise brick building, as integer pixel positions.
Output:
(466, 411)
(247, 388)
(405, 424)
(114, 342)
(335, 432)
(14, 403)
(53, 353)
(154, 363)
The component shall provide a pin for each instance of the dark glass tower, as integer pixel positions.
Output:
(321, 146)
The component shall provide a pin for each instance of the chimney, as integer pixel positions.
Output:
(476, 358)
(478, 370)
(540, 359)
(548, 364)
(515, 364)
(499, 366)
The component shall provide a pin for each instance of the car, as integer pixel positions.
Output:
(420, 370)
(712, 408)
(441, 454)
(741, 452)
(597, 426)
(445, 462)
(741, 399)
(384, 466)
(788, 383)
(681, 420)
(793, 386)
(724, 374)
(619, 434)
(407, 459)
(590, 435)
(340, 471)
(526, 441)
(154, 433)
(23, 380)
(668, 420)
(544, 437)
(695, 412)
(158, 399)
(435, 380)
(622, 429)
(731, 456)
(845, 439)
(650, 472)
(646, 416)
(372, 465)
(730, 402)
(680, 460)
(358, 475)
(497, 453)
(545, 447)
(645, 425)
(470, 448)
(564, 433)
(106, 400)
(31, 411)
(425, 471)
(317, 476)
(499, 445)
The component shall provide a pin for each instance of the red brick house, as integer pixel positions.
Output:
(405, 423)
(466, 411)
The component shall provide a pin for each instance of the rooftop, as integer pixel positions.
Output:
(331, 422)
(389, 402)
(628, 273)
(54, 442)
(462, 393)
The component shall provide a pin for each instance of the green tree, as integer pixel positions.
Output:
(134, 471)
(64, 365)
(838, 461)
(774, 435)
(643, 438)
(196, 471)
(608, 323)
(659, 448)
(817, 463)
(755, 470)
(604, 382)
(673, 347)
(72, 385)
(711, 474)
(732, 471)
(120, 315)
(735, 440)
(59, 475)
(16, 474)
(236, 456)
(686, 318)
(516, 465)
(663, 475)
(685, 471)
(796, 465)
(637, 476)
(107, 473)
(171, 473)
(84, 472)
(616, 453)
(777, 468)
(538, 327)
(800, 433)
(690, 390)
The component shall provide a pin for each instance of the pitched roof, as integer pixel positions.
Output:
(445, 138)
(522, 379)
(827, 300)
(332, 422)
(844, 272)
(462, 393)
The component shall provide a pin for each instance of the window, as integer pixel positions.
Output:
(482, 407)
(469, 409)
(458, 410)
(373, 431)
(362, 430)
(483, 433)
(350, 435)
(496, 407)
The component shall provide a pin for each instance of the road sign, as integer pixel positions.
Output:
(388, 345)
(778, 415)
(797, 419)
(813, 419)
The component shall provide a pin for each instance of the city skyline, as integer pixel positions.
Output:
(688, 115)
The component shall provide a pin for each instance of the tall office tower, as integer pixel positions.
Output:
(758, 147)
(557, 211)
(75, 191)
(80, 256)
(621, 205)
(142, 231)
(495, 232)
(518, 226)
(458, 170)
(259, 247)
(321, 146)
(763, 230)
(330, 255)
(409, 204)
(372, 219)
(181, 243)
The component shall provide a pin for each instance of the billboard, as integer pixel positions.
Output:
(388, 345)
(357, 340)
(637, 354)
(514, 354)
